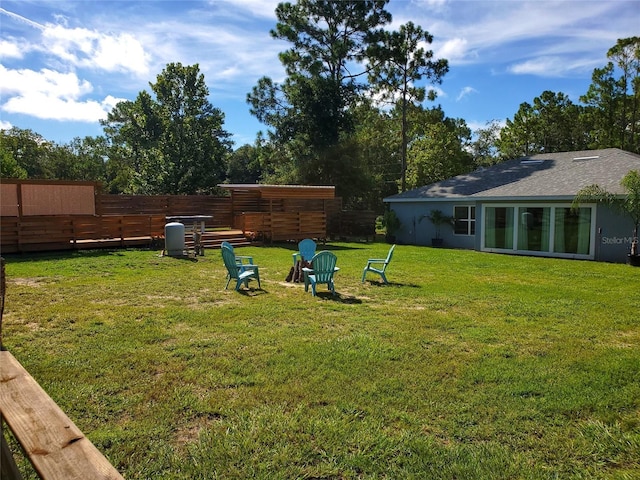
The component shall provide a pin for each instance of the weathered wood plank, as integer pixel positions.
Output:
(56, 447)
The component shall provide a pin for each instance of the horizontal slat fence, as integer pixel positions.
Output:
(169, 205)
(276, 226)
(61, 232)
(361, 222)
(126, 220)
(247, 201)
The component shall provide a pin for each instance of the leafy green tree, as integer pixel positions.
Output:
(173, 144)
(30, 150)
(9, 168)
(193, 143)
(28, 155)
(626, 55)
(551, 124)
(440, 152)
(243, 165)
(612, 111)
(403, 63)
(378, 146)
(328, 37)
(81, 159)
(310, 113)
(602, 101)
(484, 145)
(133, 130)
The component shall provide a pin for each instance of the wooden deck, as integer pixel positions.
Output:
(263, 212)
(215, 239)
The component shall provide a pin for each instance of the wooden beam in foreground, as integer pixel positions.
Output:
(57, 449)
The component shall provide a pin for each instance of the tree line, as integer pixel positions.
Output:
(349, 113)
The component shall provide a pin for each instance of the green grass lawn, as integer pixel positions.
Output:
(467, 366)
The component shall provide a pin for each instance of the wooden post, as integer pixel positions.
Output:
(3, 288)
(8, 467)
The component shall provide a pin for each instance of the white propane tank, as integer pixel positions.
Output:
(174, 239)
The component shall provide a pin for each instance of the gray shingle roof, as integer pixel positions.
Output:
(549, 175)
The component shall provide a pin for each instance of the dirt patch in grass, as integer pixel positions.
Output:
(33, 326)
(28, 282)
(190, 433)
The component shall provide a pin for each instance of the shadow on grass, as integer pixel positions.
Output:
(378, 283)
(26, 257)
(252, 292)
(320, 246)
(338, 297)
(190, 258)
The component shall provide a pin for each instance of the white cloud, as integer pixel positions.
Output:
(51, 95)
(92, 49)
(465, 92)
(515, 32)
(549, 66)
(48, 82)
(49, 107)
(453, 49)
(21, 19)
(226, 52)
(10, 49)
(544, 66)
(259, 8)
(121, 53)
(5, 125)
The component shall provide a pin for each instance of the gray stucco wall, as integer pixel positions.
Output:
(612, 242)
(613, 235)
(417, 229)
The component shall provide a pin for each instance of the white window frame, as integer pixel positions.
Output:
(552, 218)
(470, 221)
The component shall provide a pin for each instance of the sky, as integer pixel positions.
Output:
(65, 64)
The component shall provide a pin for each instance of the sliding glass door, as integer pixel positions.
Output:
(572, 231)
(533, 229)
(539, 229)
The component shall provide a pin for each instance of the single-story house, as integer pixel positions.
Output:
(523, 206)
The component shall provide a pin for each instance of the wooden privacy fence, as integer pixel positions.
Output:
(357, 223)
(169, 205)
(53, 215)
(61, 232)
(276, 226)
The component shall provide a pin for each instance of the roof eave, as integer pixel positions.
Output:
(474, 198)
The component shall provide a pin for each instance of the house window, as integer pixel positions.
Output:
(498, 227)
(464, 220)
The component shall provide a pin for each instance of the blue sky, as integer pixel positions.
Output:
(65, 64)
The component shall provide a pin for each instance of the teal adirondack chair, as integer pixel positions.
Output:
(323, 267)
(378, 265)
(306, 251)
(241, 260)
(240, 273)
